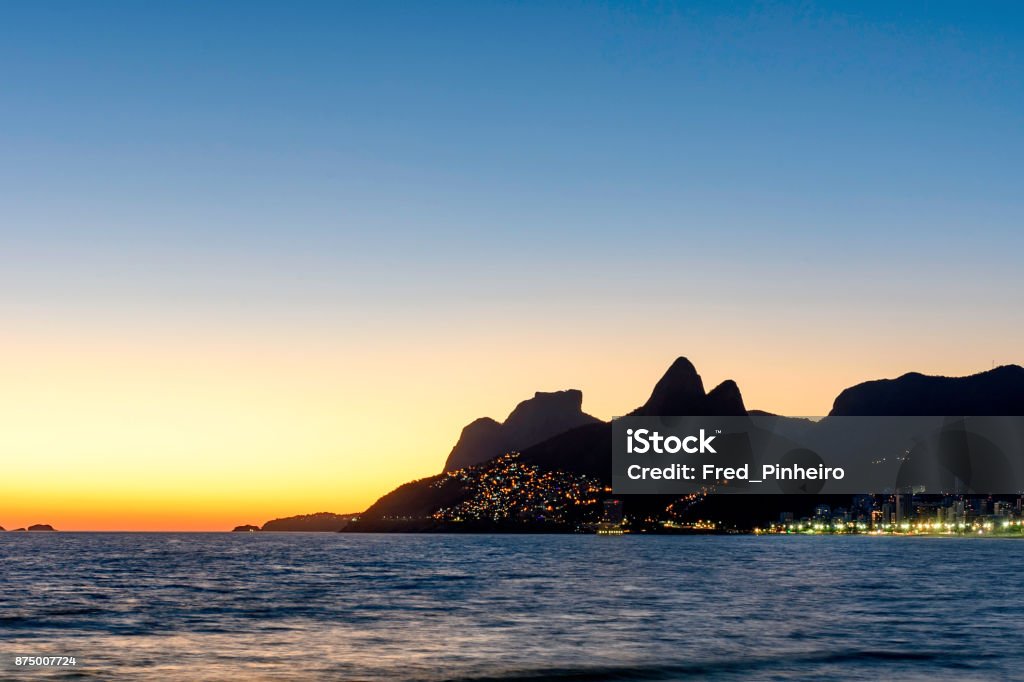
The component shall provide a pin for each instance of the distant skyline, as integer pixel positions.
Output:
(266, 259)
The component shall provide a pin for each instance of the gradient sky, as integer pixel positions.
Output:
(260, 259)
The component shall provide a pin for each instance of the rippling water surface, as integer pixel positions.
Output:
(435, 607)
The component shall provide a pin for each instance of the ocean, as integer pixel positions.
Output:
(281, 606)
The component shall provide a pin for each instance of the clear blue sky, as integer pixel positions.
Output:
(435, 209)
(446, 134)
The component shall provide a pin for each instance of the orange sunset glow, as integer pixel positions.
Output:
(173, 427)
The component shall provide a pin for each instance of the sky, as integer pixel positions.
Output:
(260, 259)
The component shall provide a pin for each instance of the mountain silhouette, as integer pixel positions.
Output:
(680, 392)
(532, 421)
(586, 449)
(996, 392)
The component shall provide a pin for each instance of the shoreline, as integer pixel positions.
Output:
(750, 533)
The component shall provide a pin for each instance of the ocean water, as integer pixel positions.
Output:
(138, 606)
